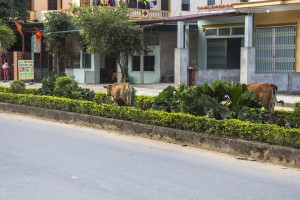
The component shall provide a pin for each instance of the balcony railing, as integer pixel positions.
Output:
(136, 14)
(147, 14)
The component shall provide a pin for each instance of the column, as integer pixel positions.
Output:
(181, 56)
(247, 70)
(142, 63)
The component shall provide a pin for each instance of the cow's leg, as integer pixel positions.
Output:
(129, 95)
(272, 110)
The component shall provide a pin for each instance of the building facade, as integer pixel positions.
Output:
(268, 47)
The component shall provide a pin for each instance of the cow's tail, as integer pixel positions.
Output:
(275, 88)
(129, 94)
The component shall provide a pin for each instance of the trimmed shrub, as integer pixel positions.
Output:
(48, 84)
(233, 128)
(17, 87)
(68, 88)
(63, 86)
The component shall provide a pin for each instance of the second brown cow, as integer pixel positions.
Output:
(266, 93)
(120, 91)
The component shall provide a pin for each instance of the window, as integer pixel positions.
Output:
(185, 6)
(224, 31)
(238, 31)
(52, 4)
(275, 49)
(223, 53)
(211, 2)
(211, 32)
(149, 62)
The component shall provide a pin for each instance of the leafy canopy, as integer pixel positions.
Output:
(14, 10)
(56, 40)
(7, 37)
(109, 31)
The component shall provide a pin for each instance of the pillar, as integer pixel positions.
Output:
(247, 69)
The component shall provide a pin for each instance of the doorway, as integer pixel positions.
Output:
(107, 73)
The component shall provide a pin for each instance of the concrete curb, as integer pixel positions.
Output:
(264, 152)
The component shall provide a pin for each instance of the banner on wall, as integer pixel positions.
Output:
(26, 69)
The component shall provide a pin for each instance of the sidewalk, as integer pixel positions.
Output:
(155, 88)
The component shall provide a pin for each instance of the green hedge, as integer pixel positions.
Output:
(28, 90)
(272, 134)
(283, 118)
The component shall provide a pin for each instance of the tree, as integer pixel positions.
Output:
(7, 37)
(57, 37)
(14, 10)
(108, 31)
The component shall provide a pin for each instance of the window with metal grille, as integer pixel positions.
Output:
(238, 31)
(275, 49)
(52, 4)
(211, 2)
(223, 53)
(224, 31)
(149, 62)
(211, 32)
(185, 5)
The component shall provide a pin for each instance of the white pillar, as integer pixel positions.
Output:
(142, 64)
(81, 54)
(247, 71)
(181, 56)
(248, 30)
(180, 34)
(187, 35)
(142, 68)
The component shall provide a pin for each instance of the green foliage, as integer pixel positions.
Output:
(17, 87)
(57, 40)
(14, 10)
(7, 37)
(219, 100)
(63, 86)
(4, 88)
(110, 32)
(102, 98)
(144, 102)
(169, 99)
(48, 84)
(232, 128)
(190, 101)
(68, 88)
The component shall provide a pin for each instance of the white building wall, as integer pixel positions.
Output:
(149, 77)
(176, 10)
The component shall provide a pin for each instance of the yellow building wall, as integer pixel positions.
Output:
(40, 5)
(281, 18)
(66, 3)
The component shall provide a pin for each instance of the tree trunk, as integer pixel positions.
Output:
(123, 63)
(55, 63)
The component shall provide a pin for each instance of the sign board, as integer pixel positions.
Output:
(26, 69)
(36, 45)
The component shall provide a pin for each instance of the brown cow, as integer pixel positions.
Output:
(120, 91)
(266, 93)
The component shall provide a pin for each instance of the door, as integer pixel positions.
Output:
(165, 5)
(216, 53)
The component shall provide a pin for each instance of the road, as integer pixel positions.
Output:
(43, 160)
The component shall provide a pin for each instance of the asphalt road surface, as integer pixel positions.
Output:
(43, 160)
